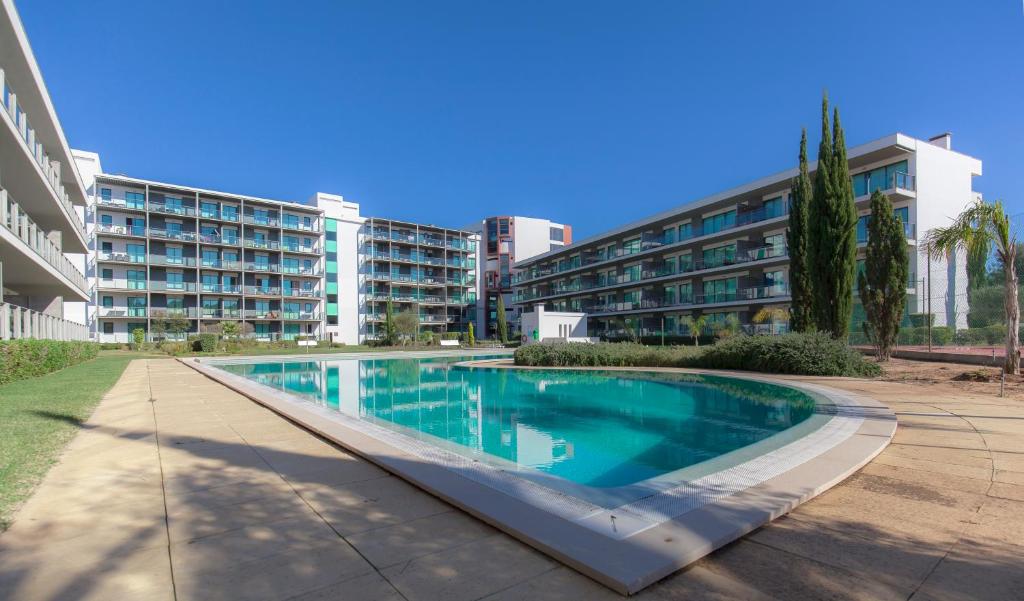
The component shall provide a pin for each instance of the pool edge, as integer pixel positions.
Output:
(626, 565)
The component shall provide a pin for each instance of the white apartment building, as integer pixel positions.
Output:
(43, 239)
(429, 269)
(725, 255)
(506, 240)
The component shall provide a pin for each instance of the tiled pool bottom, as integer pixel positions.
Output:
(645, 522)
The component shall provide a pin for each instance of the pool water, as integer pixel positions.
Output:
(594, 428)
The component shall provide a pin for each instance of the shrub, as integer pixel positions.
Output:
(28, 358)
(205, 343)
(804, 354)
(138, 337)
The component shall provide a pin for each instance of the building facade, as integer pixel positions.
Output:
(428, 269)
(725, 257)
(43, 239)
(505, 241)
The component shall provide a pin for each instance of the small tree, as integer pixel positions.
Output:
(389, 324)
(177, 326)
(407, 324)
(158, 327)
(470, 335)
(502, 323)
(138, 336)
(774, 316)
(883, 283)
(231, 329)
(694, 325)
(984, 223)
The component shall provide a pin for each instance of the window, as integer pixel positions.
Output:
(229, 213)
(135, 200)
(719, 291)
(208, 209)
(881, 178)
(211, 258)
(173, 254)
(685, 232)
(557, 233)
(775, 281)
(137, 253)
(210, 283)
(106, 194)
(229, 235)
(685, 262)
(686, 293)
(136, 279)
(773, 208)
(668, 235)
(108, 327)
(106, 220)
(774, 246)
(107, 274)
(307, 222)
(175, 303)
(107, 247)
(717, 223)
(290, 243)
(136, 306)
(291, 221)
(631, 246)
(108, 302)
(718, 256)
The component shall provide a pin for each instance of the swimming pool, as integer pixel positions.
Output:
(599, 429)
(625, 475)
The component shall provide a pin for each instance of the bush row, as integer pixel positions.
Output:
(28, 358)
(805, 354)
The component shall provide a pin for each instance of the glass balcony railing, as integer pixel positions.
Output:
(120, 257)
(172, 209)
(263, 290)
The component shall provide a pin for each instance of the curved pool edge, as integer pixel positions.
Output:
(626, 564)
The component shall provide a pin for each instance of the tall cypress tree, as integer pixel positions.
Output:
(502, 322)
(818, 242)
(801, 309)
(832, 223)
(844, 229)
(883, 283)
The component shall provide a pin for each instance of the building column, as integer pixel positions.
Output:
(5, 321)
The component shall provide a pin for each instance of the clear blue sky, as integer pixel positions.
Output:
(591, 113)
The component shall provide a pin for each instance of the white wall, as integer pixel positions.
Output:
(944, 189)
(553, 324)
(89, 166)
(351, 328)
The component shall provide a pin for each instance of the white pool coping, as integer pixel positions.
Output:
(627, 547)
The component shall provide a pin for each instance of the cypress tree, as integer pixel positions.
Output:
(883, 283)
(801, 310)
(844, 229)
(818, 241)
(502, 324)
(389, 324)
(832, 222)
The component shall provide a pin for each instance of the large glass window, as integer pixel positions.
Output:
(136, 253)
(208, 209)
(631, 246)
(718, 256)
(175, 280)
(135, 200)
(136, 306)
(686, 293)
(685, 232)
(173, 254)
(136, 279)
(717, 223)
(881, 178)
(229, 213)
(773, 208)
(720, 291)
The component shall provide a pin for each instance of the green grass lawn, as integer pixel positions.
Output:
(40, 415)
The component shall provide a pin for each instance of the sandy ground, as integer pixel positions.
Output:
(943, 377)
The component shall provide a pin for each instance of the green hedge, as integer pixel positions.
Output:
(804, 354)
(27, 358)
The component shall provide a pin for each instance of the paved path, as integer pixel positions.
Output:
(177, 488)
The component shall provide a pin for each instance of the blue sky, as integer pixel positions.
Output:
(592, 113)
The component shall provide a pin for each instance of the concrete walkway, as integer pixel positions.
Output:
(177, 488)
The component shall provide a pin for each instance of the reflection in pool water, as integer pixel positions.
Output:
(598, 428)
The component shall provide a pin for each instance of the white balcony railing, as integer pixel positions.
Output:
(18, 223)
(18, 322)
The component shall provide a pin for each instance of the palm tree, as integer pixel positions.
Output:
(979, 225)
(772, 315)
(694, 325)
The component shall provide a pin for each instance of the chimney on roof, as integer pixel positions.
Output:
(943, 140)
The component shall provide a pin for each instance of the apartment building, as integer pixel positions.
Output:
(725, 256)
(429, 269)
(173, 260)
(506, 240)
(42, 201)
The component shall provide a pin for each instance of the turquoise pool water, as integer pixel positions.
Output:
(596, 428)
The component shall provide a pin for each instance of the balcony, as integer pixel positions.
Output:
(303, 271)
(755, 293)
(225, 265)
(120, 257)
(263, 267)
(172, 209)
(32, 241)
(173, 287)
(760, 253)
(172, 234)
(268, 221)
(743, 219)
(172, 261)
(121, 204)
(300, 315)
(18, 322)
(261, 314)
(262, 291)
(301, 248)
(121, 285)
(134, 231)
(229, 240)
(174, 313)
(121, 312)
(290, 224)
(262, 244)
(220, 289)
(219, 215)
(57, 217)
(298, 292)
(208, 313)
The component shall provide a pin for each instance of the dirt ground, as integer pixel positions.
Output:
(930, 373)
